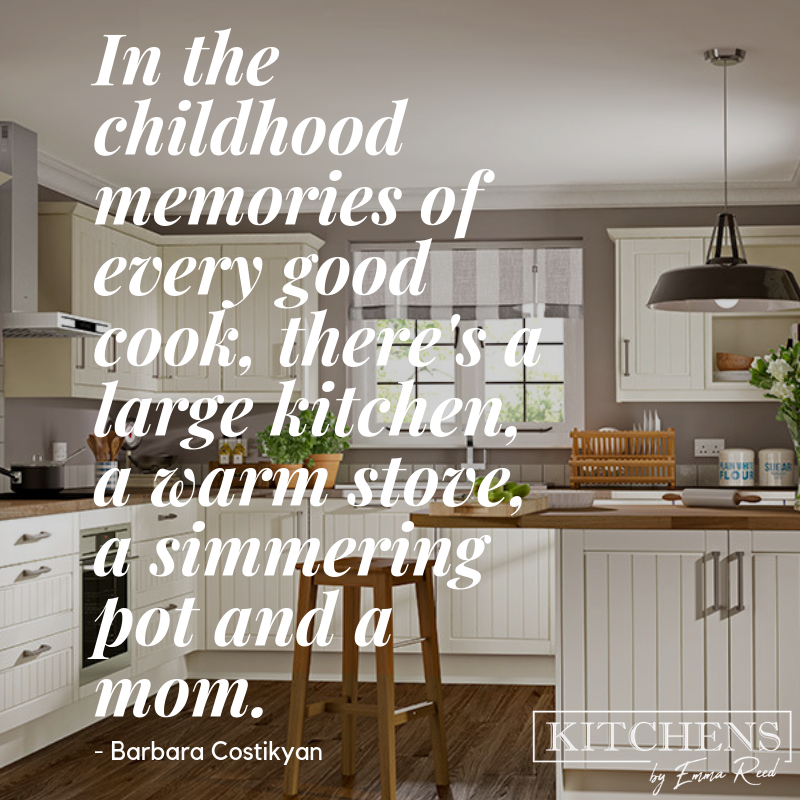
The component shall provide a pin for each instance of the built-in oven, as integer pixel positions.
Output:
(96, 591)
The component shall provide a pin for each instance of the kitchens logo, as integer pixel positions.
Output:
(692, 743)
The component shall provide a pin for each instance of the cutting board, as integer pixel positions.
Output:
(530, 505)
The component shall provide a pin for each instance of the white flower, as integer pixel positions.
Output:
(780, 391)
(779, 370)
(767, 358)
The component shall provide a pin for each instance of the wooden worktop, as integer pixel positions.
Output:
(661, 517)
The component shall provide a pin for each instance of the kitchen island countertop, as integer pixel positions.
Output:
(646, 517)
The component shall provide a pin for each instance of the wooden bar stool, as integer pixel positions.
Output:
(381, 580)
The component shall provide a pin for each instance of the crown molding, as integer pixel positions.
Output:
(69, 180)
(83, 186)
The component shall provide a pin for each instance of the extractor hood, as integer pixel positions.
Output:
(19, 246)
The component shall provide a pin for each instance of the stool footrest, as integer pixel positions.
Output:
(401, 715)
(396, 645)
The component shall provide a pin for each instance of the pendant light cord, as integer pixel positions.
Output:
(725, 131)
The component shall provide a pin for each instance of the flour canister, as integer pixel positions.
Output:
(737, 467)
(776, 467)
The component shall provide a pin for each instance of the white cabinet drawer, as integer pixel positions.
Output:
(34, 538)
(146, 658)
(148, 589)
(150, 522)
(37, 598)
(37, 677)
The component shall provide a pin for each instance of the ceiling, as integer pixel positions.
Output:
(569, 102)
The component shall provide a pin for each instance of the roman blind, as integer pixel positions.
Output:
(477, 282)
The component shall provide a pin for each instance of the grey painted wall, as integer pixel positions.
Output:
(31, 424)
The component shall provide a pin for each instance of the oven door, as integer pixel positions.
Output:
(96, 591)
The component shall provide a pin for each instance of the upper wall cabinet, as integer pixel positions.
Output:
(671, 356)
(72, 248)
(657, 350)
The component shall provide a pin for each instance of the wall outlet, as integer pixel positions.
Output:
(708, 448)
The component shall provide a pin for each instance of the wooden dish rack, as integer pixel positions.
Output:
(622, 458)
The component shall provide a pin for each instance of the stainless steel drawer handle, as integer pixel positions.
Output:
(740, 577)
(39, 651)
(717, 604)
(170, 607)
(165, 517)
(35, 573)
(27, 538)
(88, 564)
(627, 372)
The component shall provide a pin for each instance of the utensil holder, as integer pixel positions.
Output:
(100, 469)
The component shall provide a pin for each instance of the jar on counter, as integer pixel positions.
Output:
(776, 467)
(737, 467)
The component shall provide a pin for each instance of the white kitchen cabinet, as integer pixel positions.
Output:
(190, 310)
(643, 630)
(659, 353)
(260, 521)
(38, 617)
(671, 356)
(71, 249)
(262, 325)
(161, 651)
(765, 639)
(37, 677)
(512, 610)
(130, 312)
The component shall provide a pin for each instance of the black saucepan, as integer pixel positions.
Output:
(39, 477)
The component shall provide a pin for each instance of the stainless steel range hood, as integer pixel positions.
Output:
(19, 246)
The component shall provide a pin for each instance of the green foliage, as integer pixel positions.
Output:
(284, 448)
(778, 375)
(330, 441)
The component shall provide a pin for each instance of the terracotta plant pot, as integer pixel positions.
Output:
(293, 469)
(328, 462)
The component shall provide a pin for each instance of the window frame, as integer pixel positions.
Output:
(469, 381)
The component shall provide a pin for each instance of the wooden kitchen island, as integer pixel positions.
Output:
(671, 615)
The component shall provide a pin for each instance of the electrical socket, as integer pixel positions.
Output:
(708, 448)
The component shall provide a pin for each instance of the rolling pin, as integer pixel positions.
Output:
(713, 498)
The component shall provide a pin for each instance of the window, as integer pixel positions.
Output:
(434, 383)
(501, 289)
(528, 394)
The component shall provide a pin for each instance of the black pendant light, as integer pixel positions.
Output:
(726, 282)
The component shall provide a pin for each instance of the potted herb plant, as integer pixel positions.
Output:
(285, 451)
(326, 450)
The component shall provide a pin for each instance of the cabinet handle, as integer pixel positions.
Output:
(165, 517)
(717, 604)
(82, 365)
(113, 367)
(35, 573)
(39, 651)
(157, 366)
(170, 607)
(627, 345)
(740, 577)
(28, 538)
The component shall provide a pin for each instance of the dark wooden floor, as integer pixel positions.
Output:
(489, 734)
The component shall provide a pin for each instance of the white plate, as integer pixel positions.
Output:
(732, 376)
